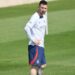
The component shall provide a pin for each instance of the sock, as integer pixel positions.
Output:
(39, 72)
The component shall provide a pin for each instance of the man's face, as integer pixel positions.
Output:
(42, 9)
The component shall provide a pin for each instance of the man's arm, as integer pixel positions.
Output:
(46, 24)
(28, 28)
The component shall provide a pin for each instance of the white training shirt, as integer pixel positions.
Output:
(36, 28)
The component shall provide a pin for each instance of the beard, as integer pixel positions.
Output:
(42, 12)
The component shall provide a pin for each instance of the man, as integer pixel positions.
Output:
(36, 29)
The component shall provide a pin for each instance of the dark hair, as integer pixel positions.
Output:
(43, 2)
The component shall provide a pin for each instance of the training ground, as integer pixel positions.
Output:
(59, 43)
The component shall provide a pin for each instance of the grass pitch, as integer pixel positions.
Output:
(59, 43)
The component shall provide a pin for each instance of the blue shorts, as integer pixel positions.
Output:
(36, 55)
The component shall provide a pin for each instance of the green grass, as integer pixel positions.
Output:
(59, 43)
(28, 9)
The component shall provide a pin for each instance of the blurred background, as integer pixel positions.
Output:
(59, 43)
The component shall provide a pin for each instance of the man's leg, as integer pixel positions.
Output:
(33, 70)
(36, 71)
(42, 61)
(39, 71)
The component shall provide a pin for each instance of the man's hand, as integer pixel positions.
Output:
(37, 42)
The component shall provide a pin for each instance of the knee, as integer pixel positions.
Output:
(33, 71)
(43, 66)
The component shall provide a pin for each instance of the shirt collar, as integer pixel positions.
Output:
(41, 17)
